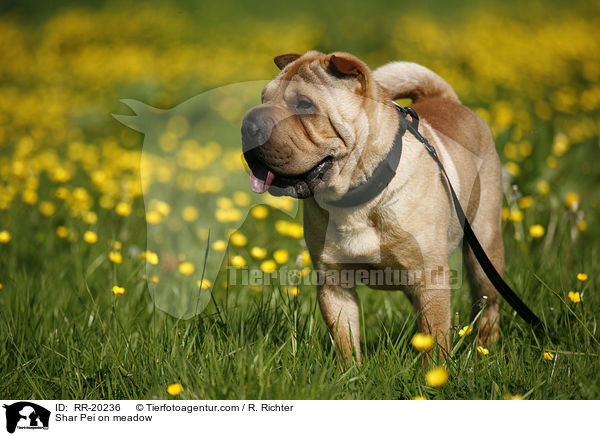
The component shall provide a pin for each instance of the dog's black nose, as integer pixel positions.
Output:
(256, 128)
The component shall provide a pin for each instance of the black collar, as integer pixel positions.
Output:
(381, 177)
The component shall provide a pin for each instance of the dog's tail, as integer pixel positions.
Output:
(410, 80)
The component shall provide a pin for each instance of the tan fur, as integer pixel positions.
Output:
(411, 225)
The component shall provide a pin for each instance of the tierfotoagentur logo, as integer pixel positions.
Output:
(25, 415)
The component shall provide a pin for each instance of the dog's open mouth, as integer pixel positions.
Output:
(263, 179)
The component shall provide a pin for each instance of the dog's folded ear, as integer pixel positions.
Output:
(344, 64)
(282, 60)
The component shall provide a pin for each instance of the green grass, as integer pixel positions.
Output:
(64, 335)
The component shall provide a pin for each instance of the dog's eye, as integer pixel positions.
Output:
(304, 104)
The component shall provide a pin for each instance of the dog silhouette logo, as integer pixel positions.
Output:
(26, 415)
(195, 190)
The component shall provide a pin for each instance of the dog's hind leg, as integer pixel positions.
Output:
(487, 226)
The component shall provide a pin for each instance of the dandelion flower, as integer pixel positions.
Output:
(258, 253)
(548, 355)
(542, 187)
(582, 277)
(154, 279)
(466, 330)
(281, 256)
(90, 237)
(419, 398)
(204, 284)
(582, 225)
(174, 389)
(219, 245)
(151, 258)
(4, 236)
(47, 208)
(525, 202)
(1, 286)
(268, 266)
(509, 396)
(241, 198)
(224, 203)
(437, 377)
(303, 258)
(571, 200)
(118, 290)
(186, 268)
(259, 212)
(90, 218)
(123, 209)
(189, 214)
(575, 297)
(115, 257)
(238, 239)
(537, 231)
(293, 291)
(483, 350)
(515, 216)
(154, 217)
(62, 232)
(238, 261)
(422, 342)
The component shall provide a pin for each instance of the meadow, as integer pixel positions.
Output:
(85, 204)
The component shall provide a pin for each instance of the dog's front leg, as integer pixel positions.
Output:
(431, 300)
(340, 309)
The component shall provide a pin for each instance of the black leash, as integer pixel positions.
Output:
(492, 274)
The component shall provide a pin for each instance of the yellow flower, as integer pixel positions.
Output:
(117, 245)
(151, 258)
(62, 232)
(582, 225)
(548, 355)
(512, 397)
(288, 228)
(238, 239)
(238, 261)
(525, 202)
(482, 350)
(268, 266)
(4, 236)
(512, 168)
(174, 389)
(228, 215)
(466, 330)
(189, 214)
(542, 187)
(118, 291)
(422, 342)
(582, 277)
(259, 212)
(515, 215)
(241, 198)
(536, 231)
(90, 218)
(115, 257)
(219, 245)
(1, 286)
(155, 279)
(90, 237)
(154, 217)
(123, 209)
(224, 203)
(204, 284)
(505, 213)
(575, 297)
(47, 208)
(281, 256)
(293, 291)
(419, 398)
(436, 377)
(258, 253)
(571, 200)
(304, 258)
(186, 268)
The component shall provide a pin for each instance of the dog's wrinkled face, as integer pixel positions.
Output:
(297, 139)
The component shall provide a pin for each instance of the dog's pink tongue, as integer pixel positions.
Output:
(260, 179)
